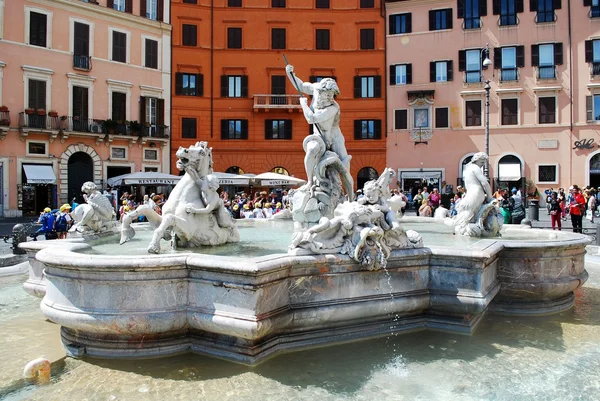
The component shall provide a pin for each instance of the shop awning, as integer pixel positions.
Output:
(420, 175)
(509, 172)
(144, 178)
(37, 174)
(276, 180)
(232, 179)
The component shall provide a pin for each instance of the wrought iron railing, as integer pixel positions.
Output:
(508, 20)
(595, 68)
(37, 121)
(4, 119)
(545, 16)
(156, 131)
(98, 126)
(546, 72)
(277, 101)
(81, 62)
(472, 23)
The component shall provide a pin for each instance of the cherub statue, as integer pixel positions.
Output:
(96, 214)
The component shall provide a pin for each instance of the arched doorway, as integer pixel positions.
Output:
(280, 170)
(80, 170)
(234, 170)
(365, 174)
(594, 179)
(466, 159)
(509, 172)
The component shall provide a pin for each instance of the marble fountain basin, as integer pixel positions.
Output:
(245, 302)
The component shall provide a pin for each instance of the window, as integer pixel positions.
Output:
(118, 153)
(546, 57)
(119, 46)
(322, 4)
(80, 108)
(234, 86)
(193, 1)
(592, 55)
(151, 9)
(369, 86)
(317, 78)
(473, 113)
(190, 35)
(189, 84)
(322, 39)
(400, 23)
(278, 3)
(469, 61)
(594, 7)
(119, 106)
(38, 25)
(151, 53)
(367, 39)
(442, 119)
(278, 38)
(548, 174)
(278, 129)
(508, 60)
(36, 148)
(367, 3)
(544, 9)
(278, 88)
(188, 127)
(37, 94)
(441, 71)
(234, 38)
(367, 129)
(400, 74)
(234, 129)
(440, 19)
(401, 119)
(507, 10)
(81, 46)
(510, 112)
(471, 12)
(118, 5)
(151, 114)
(547, 110)
(150, 155)
(234, 3)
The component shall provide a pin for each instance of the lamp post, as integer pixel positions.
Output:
(486, 63)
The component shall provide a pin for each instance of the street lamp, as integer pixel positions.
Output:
(486, 63)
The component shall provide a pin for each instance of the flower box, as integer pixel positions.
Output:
(4, 123)
(52, 113)
(29, 111)
(41, 112)
(3, 109)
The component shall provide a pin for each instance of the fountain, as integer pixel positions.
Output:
(358, 273)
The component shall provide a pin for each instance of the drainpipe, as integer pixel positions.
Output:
(171, 90)
(212, 81)
(385, 69)
(570, 91)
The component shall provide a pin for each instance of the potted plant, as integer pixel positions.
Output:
(135, 127)
(3, 109)
(52, 113)
(41, 112)
(4, 122)
(30, 110)
(109, 126)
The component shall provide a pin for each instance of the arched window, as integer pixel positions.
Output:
(366, 174)
(234, 170)
(280, 170)
(594, 179)
(509, 172)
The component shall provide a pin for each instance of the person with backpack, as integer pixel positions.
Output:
(63, 221)
(47, 222)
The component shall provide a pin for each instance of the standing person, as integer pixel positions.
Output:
(418, 199)
(576, 207)
(434, 199)
(518, 211)
(63, 221)
(425, 193)
(555, 211)
(591, 205)
(47, 221)
(562, 198)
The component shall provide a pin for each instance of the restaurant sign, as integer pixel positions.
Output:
(585, 144)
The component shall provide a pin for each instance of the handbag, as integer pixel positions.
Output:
(554, 212)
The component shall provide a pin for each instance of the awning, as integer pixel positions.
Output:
(276, 180)
(419, 175)
(232, 179)
(144, 178)
(37, 174)
(509, 172)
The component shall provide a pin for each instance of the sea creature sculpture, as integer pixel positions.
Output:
(96, 214)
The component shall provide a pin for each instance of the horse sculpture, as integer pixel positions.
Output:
(194, 213)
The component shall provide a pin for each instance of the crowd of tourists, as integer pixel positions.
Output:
(260, 205)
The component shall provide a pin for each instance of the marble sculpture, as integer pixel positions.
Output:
(96, 215)
(478, 213)
(194, 213)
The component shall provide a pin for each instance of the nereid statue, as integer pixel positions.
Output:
(96, 215)
(478, 213)
(327, 162)
(194, 213)
(366, 230)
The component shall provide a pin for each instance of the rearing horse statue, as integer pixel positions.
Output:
(194, 212)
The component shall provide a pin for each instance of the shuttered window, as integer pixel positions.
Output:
(322, 39)
(81, 42)
(367, 39)
(37, 94)
(151, 53)
(510, 111)
(119, 106)
(369, 86)
(400, 74)
(234, 38)
(473, 113)
(234, 129)
(367, 3)
(38, 25)
(401, 119)
(189, 84)
(189, 35)
(278, 129)
(440, 19)
(547, 110)
(119, 47)
(278, 38)
(234, 3)
(234, 86)
(367, 129)
(441, 71)
(441, 117)
(400, 23)
(278, 3)
(188, 127)
(80, 103)
(322, 4)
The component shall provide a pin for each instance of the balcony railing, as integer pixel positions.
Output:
(37, 121)
(81, 62)
(509, 74)
(545, 16)
(156, 131)
(546, 72)
(277, 101)
(4, 119)
(508, 20)
(472, 23)
(595, 68)
(97, 126)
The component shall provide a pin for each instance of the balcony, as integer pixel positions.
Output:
(156, 131)
(471, 23)
(277, 102)
(38, 121)
(4, 123)
(595, 68)
(509, 74)
(545, 16)
(508, 20)
(546, 72)
(82, 63)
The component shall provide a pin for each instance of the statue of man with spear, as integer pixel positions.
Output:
(324, 114)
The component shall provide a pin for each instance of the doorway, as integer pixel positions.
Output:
(80, 170)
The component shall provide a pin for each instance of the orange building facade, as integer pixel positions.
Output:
(230, 88)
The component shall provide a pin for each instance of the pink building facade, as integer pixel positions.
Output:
(85, 96)
(544, 91)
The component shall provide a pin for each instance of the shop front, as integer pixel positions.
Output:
(37, 189)
(413, 179)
